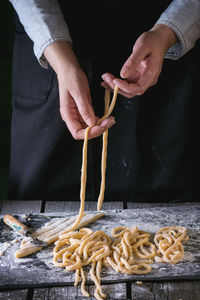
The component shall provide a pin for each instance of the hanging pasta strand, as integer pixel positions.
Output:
(83, 184)
(109, 110)
(104, 156)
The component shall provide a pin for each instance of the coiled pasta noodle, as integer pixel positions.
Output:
(169, 243)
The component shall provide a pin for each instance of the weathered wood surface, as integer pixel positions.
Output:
(113, 291)
(37, 270)
(20, 207)
(14, 295)
(166, 291)
(72, 206)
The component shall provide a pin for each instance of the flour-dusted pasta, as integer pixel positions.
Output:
(169, 243)
(129, 251)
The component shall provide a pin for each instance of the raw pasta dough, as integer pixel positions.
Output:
(130, 253)
(169, 243)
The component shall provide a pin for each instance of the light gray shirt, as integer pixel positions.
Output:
(183, 17)
(44, 23)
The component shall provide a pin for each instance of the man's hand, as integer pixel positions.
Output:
(144, 65)
(75, 100)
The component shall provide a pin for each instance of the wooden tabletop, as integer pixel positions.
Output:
(152, 290)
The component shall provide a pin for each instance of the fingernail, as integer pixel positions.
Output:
(124, 73)
(108, 123)
(111, 124)
(112, 119)
(105, 77)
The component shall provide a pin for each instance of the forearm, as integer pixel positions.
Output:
(44, 23)
(166, 35)
(183, 17)
(61, 57)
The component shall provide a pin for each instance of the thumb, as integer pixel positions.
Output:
(138, 54)
(86, 111)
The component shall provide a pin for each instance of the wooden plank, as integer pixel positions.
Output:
(73, 206)
(20, 207)
(14, 295)
(132, 205)
(113, 291)
(187, 290)
(38, 270)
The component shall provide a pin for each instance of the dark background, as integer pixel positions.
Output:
(6, 38)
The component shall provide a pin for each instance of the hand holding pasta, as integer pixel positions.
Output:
(142, 68)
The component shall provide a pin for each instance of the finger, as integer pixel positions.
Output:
(97, 130)
(106, 86)
(107, 123)
(128, 88)
(85, 109)
(108, 78)
(127, 95)
(70, 114)
(138, 54)
(89, 98)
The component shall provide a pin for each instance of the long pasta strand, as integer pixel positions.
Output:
(84, 163)
(104, 156)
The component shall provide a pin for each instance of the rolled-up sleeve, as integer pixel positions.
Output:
(44, 23)
(183, 17)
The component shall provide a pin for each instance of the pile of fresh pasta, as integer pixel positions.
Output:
(128, 251)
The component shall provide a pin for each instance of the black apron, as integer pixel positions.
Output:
(153, 152)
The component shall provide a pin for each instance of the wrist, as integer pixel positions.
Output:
(167, 36)
(61, 57)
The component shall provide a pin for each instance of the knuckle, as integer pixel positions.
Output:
(144, 37)
(144, 40)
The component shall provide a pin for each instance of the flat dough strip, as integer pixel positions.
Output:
(30, 248)
(47, 231)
